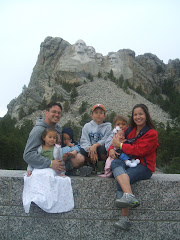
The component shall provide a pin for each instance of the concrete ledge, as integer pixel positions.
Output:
(158, 216)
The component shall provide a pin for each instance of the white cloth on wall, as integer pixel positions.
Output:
(49, 191)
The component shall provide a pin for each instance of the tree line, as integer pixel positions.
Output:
(13, 141)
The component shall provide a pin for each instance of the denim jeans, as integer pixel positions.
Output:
(140, 172)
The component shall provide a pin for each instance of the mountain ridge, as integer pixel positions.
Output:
(60, 63)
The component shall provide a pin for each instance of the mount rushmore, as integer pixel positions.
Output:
(60, 62)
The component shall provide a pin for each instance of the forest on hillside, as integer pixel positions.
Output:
(13, 139)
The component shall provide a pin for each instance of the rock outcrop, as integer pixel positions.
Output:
(61, 63)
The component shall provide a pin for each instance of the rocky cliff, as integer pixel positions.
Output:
(61, 64)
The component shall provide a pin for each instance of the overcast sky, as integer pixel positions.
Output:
(144, 26)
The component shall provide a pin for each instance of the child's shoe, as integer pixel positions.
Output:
(85, 171)
(130, 164)
(137, 161)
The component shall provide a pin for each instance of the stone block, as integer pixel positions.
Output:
(5, 191)
(98, 193)
(16, 191)
(95, 213)
(168, 196)
(168, 230)
(43, 228)
(101, 230)
(77, 190)
(145, 192)
(3, 228)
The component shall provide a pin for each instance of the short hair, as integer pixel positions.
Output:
(46, 131)
(51, 104)
(149, 121)
(120, 118)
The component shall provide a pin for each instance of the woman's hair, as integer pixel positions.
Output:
(120, 118)
(149, 121)
(46, 131)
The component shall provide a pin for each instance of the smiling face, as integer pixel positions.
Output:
(50, 139)
(53, 115)
(98, 115)
(139, 117)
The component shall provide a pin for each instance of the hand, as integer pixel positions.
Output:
(69, 143)
(58, 165)
(115, 142)
(65, 156)
(29, 173)
(93, 154)
(113, 154)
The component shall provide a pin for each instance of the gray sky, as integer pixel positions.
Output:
(108, 25)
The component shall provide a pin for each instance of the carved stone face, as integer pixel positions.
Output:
(113, 59)
(80, 46)
(91, 52)
(99, 58)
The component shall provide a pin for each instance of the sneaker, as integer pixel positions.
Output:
(123, 223)
(94, 168)
(85, 171)
(127, 201)
(137, 161)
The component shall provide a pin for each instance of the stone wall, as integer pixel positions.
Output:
(158, 216)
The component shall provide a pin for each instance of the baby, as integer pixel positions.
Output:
(119, 133)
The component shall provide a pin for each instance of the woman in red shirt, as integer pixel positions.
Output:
(142, 144)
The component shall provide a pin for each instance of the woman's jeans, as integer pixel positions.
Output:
(140, 172)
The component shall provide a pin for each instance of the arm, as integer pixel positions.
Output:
(29, 168)
(70, 144)
(108, 141)
(111, 147)
(85, 141)
(144, 145)
(31, 155)
(75, 148)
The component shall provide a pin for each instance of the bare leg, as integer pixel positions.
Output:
(124, 222)
(124, 182)
(78, 161)
(125, 212)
